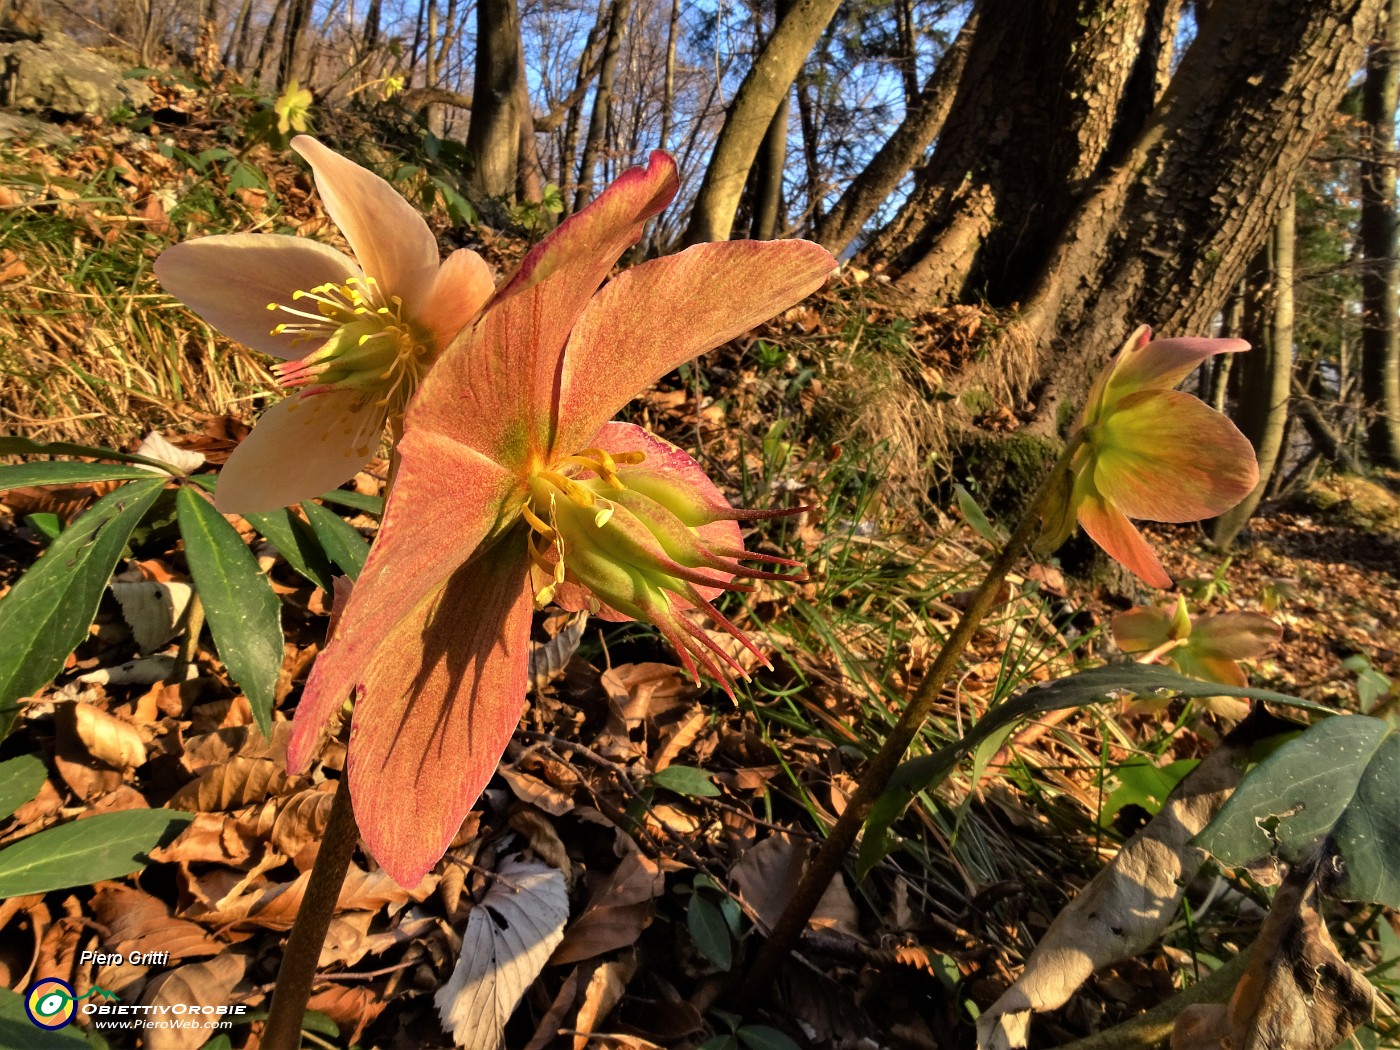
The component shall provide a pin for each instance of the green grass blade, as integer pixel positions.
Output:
(48, 611)
(244, 615)
(106, 846)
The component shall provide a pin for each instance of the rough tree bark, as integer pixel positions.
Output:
(1168, 234)
(926, 113)
(767, 175)
(297, 14)
(1380, 319)
(1267, 370)
(1046, 88)
(493, 135)
(757, 100)
(602, 100)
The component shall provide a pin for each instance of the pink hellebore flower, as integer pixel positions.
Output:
(365, 329)
(1150, 452)
(1207, 648)
(509, 465)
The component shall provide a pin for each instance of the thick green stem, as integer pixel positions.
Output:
(303, 951)
(298, 969)
(837, 847)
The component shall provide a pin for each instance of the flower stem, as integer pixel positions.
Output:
(303, 951)
(298, 969)
(834, 851)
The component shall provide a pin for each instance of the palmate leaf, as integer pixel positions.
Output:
(1334, 787)
(244, 615)
(47, 613)
(1077, 690)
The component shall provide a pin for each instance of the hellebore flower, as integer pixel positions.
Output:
(365, 329)
(510, 470)
(1149, 452)
(1207, 648)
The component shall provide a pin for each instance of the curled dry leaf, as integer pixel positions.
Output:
(768, 874)
(204, 984)
(108, 739)
(234, 784)
(291, 823)
(505, 945)
(603, 992)
(215, 748)
(152, 609)
(211, 838)
(352, 1008)
(618, 911)
(137, 922)
(1125, 906)
(1296, 992)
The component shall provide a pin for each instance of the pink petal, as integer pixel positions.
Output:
(1143, 629)
(656, 316)
(1235, 635)
(230, 279)
(1121, 541)
(386, 233)
(302, 446)
(1165, 456)
(462, 286)
(1163, 363)
(446, 500)
(436, 709)
(495, 388)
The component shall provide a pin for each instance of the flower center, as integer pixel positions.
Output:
(363, 341)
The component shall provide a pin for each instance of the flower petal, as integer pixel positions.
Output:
(230, 279)
(1166, 456)
(1121, 541)
(1194, 664)
(494, 388)
(1234, 635)
(436, 709)
(462, 286)
(656, 316)
(1142, 629)
(386, 233)
(302, 446)
(1163, 363)
(446, 500)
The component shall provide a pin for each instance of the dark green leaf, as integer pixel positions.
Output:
(355, 501)
(47, 613)
(342, 544)
(1086, 687)
(17, 1030)
(1335, 786)
(709, 931)
(244, 615)
(64, 472)
(685, 780)
(20, 780)
(21, 446)
(761, 1037)
(106, 846)
(45, 524)
(296, 542)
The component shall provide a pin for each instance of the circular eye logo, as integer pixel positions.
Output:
(49, 1003)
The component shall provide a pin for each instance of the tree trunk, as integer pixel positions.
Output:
(1267, 368)
(764, 88)
(297, 12)
(767, 180)
(372, 19)
(1380, 326)
(265, 47)
(922, 121)
(1170, 232)
(1045, 90)
(236, 53)
(493, 135)
(602, 99)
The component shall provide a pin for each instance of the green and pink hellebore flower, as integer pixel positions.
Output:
(513, 487)
(357, 334)
(1150, 452)
(1208, 647)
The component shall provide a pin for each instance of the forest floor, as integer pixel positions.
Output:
(678, 819)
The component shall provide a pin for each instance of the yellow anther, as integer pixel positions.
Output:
(536, 522)
(577, 494)
(605, 511)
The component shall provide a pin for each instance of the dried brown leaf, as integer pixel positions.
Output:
(234, 784)
(205, 984)
(603, 992)
(618, 911)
